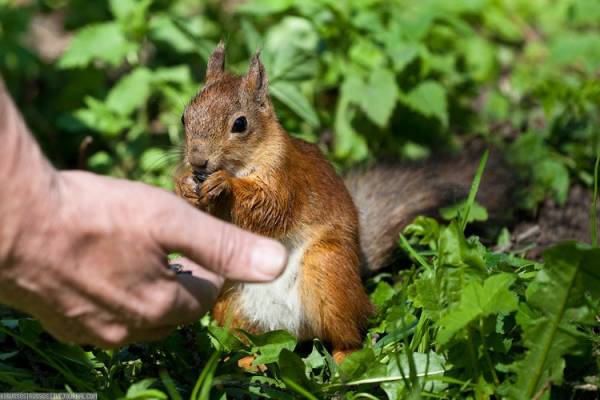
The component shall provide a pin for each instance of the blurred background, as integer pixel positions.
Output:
(103, 83)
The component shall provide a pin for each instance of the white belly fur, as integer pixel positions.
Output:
(276, 305)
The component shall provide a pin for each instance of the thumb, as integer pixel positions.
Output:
(219, 246)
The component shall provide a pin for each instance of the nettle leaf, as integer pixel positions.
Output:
(101, 118)
(379, 95)
(425, 293)
(428, 98)
(557, 303)
(382, 293)
(125, 9)
(180, 74)
(132, 14)
(269, 345)
(131, 92)
(403, 53)
(293, 369)
(289, 95)
(103, 42)
(478, 301)
(349, 144)
(366, 53)
(224, 338)
(361, 364)
(164, 29)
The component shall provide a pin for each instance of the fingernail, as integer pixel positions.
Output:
(268, 259)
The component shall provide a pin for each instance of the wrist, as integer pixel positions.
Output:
(28, 188)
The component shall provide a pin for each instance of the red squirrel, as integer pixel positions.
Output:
(243, 167)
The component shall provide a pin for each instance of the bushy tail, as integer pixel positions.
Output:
(390, 195)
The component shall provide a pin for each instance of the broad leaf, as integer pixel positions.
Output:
(378, 96)
(104, 42)
(478, 301)
(131, 92)
(270, 345)
(429, 99)
(557, 300)
(289, 95)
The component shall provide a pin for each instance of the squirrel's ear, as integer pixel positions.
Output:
(256, 81)
(216, 63)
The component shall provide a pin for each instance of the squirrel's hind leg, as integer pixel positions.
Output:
(336, 305)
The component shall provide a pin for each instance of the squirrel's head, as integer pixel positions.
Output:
(228, 119)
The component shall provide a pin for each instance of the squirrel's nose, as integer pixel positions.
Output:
(197, 159)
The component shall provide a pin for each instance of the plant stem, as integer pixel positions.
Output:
(594, 209)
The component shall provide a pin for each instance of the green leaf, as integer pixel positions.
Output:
(125, 9)
(99, 117)
(103, 42)
(100, 162)
(264, 7)
(402, 53)
(140, 390)
(382, 293)
(454, 250)
(360, 364)
(131, 92)
(557, 302)
(476, 213)
(153, 159)
(293, 369)
(426, 366)
(429, 99)
(225, 338)
(378, 96)
(270, 345)
(365, 53)
(289, 95)
(164, 29)
(425, 228)
(555, 176)
(349, 144)
(180, 74)
(478, 301)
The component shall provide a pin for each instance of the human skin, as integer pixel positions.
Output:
(86, 254)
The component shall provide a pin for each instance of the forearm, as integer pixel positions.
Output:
(25, 177)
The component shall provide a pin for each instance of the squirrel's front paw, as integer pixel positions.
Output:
(187, 187)
(215, 187)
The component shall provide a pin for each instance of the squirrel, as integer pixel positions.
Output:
(243, 167)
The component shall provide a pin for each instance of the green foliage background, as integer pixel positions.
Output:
(364, 79)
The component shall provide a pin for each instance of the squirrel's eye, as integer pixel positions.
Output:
(239, 125)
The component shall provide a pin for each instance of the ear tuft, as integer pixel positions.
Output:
(257, 83)
(216, 63)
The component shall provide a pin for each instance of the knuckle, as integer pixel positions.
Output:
(114, 335)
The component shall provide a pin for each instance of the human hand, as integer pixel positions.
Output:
(86, 254)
